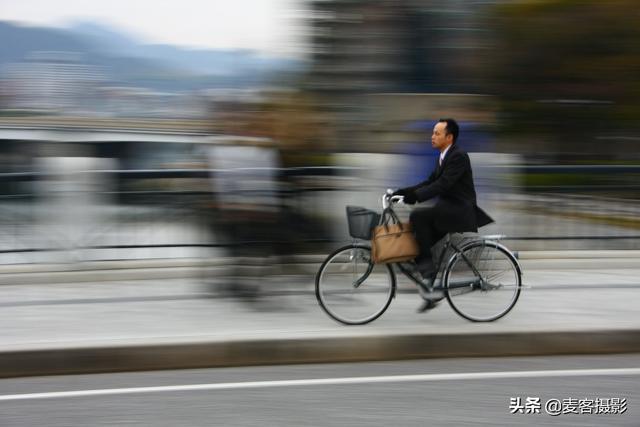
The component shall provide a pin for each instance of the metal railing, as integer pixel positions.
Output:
(181, 215)
(178, 217)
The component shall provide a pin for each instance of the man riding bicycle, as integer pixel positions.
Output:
(455, 210)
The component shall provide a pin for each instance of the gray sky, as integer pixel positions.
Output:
(270, 26)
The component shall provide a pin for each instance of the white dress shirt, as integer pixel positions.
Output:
(444, 153)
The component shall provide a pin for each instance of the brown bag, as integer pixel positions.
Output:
(393, 242)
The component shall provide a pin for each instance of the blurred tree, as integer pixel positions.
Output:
(294, 121)
(567, 72)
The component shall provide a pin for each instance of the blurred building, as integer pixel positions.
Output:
(395, 46)
(129, 101)
(65, 83)
(52, 81)
(364, 51)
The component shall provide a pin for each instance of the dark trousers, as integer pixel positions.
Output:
(427, 234)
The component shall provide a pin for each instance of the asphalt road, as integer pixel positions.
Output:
(440, 392)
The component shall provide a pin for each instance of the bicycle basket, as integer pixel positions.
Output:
(361, 222)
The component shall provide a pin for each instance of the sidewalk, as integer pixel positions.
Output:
(169, 321)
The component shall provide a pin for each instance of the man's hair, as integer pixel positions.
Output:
(452, 128)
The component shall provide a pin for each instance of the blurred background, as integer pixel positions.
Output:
(172, 174)
(206, 129)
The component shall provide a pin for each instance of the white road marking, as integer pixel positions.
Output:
(327, 381)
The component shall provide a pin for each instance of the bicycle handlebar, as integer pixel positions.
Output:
(388, 199)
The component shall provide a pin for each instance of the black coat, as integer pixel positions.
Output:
(456, 210)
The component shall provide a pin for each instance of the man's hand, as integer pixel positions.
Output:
(410, 197)
(408, 194)
(401, 192)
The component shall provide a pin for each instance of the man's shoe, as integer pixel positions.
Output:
(428, 304)
(429, 289)
(431, 297)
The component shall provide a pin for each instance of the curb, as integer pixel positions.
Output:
(190, 355)
(183, 268)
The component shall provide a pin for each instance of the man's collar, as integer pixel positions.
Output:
(446, 150)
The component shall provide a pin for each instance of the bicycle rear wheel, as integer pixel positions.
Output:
(483, 281)
(351, 289)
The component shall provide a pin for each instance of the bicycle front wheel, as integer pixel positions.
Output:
(482, 282)
(353, 290)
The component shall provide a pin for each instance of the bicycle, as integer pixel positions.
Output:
(481, 278)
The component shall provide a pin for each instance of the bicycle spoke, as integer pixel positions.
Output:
(499, 287)
(350, 289)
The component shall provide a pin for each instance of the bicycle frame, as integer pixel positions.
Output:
(467, 265)
(440, 263)
(387, 201)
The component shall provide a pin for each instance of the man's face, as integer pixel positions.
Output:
(440, 139)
